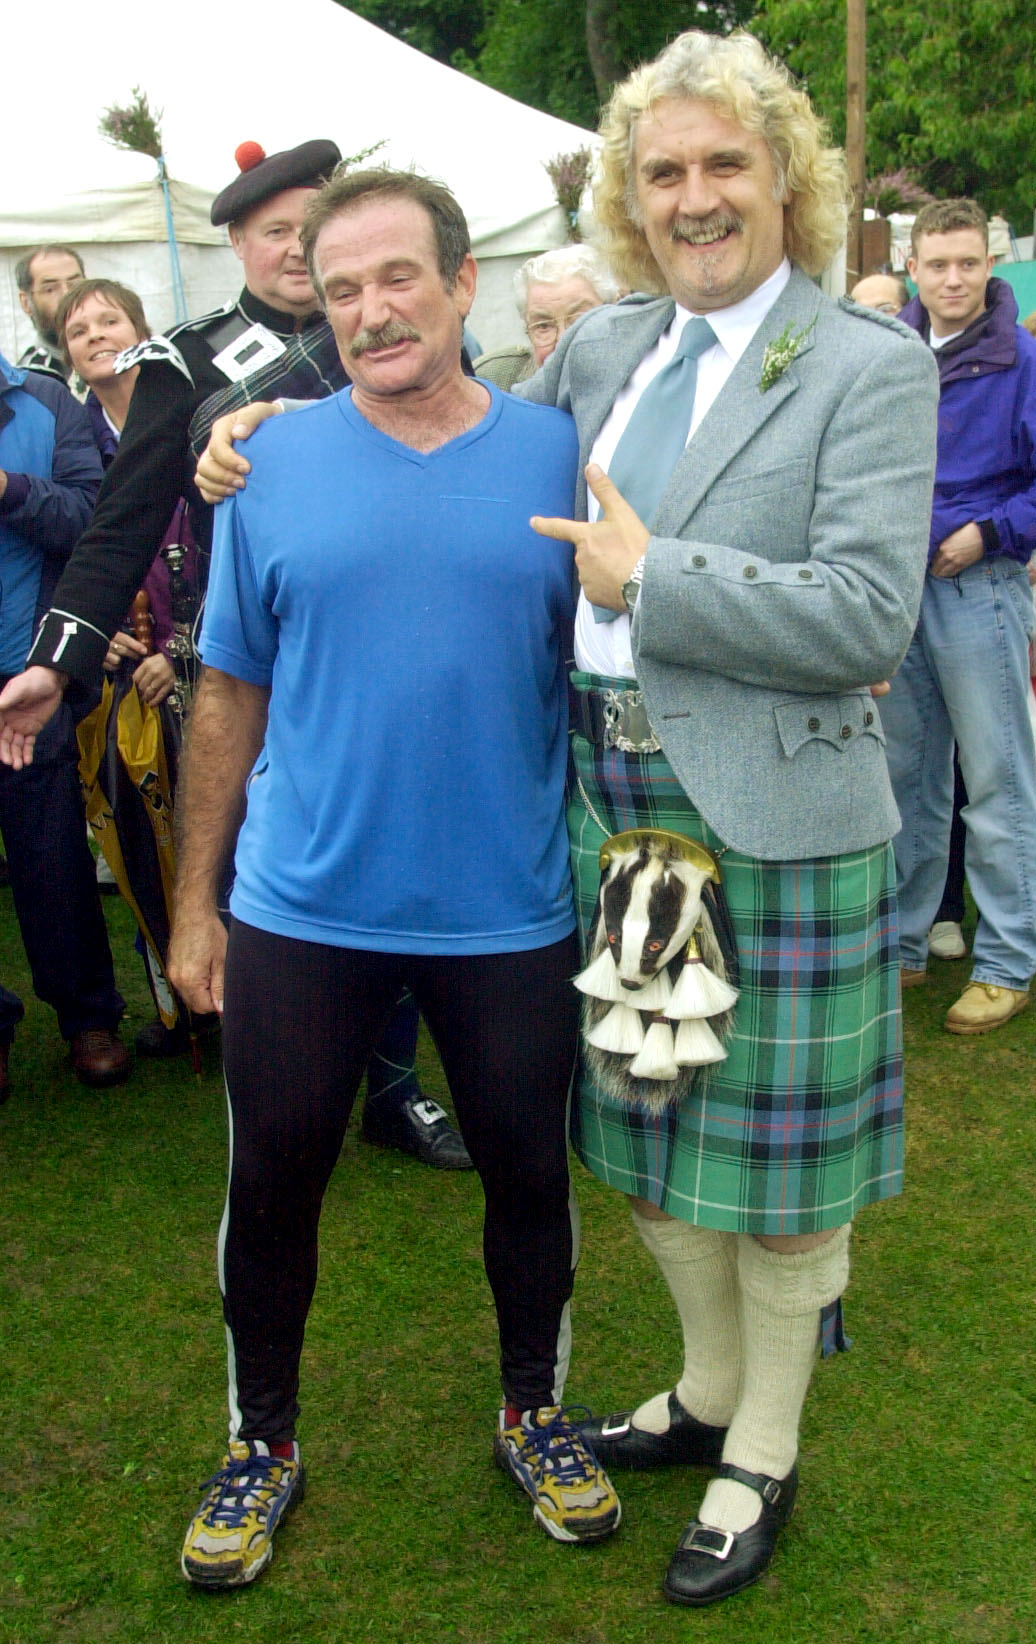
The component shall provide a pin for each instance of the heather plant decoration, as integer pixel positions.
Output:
(134, 127)
(569, 174)
(137, 130)
(895, 191)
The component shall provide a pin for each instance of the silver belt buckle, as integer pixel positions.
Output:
(626, 724)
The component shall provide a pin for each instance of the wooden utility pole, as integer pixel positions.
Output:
(855, 130)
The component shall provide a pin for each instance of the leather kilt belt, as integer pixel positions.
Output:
(613, 718)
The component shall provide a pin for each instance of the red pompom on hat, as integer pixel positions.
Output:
(248, 155)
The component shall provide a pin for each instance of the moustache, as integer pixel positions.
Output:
(394, 331)
(701, 230)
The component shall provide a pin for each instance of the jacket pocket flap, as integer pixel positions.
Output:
(837, 720)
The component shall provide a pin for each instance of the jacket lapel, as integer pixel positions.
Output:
(740, 410)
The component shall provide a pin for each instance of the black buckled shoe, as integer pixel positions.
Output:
(711, 1564)
(687, 1443)
(418, 1126)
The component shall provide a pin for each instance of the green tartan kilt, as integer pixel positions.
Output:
(803, 1123)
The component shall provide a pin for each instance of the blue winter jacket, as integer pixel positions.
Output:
(53, 473)
(986, 468)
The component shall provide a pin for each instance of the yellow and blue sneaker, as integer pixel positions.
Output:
(229, 1540)
(571, 1494)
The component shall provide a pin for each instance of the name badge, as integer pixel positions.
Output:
(255, 347)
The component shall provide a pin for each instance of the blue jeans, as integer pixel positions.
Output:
(966, 676)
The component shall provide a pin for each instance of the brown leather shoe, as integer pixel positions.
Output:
(5, 1088)
(983, 1006)
(912, 978)
(99, 1058)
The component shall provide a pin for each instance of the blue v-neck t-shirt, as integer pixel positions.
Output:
(409, 624)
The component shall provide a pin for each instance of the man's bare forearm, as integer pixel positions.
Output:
(227, 726)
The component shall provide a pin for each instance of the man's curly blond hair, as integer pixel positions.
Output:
(743, 83)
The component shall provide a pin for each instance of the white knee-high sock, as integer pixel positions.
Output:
(699, 1265)
(779, 1302)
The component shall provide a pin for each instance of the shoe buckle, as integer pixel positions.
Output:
(615, 1426)
(702, 1538)
(771, 1491)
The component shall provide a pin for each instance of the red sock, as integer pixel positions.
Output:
(284, 1451)
(512, 1416)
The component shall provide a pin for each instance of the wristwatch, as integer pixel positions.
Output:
(631, 587)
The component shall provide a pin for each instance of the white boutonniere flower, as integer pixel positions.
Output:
(780, 353)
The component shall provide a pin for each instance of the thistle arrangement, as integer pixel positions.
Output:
(780, 352)
(569, 174)
(134, 128)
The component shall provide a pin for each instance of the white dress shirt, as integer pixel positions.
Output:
(605, 647)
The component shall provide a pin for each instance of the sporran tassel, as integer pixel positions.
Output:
(696, 1044)
(600, 980)
(699, 991)
(657, 1059)
(654, 995)
(621, 1031)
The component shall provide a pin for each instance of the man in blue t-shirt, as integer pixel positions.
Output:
(384, 701)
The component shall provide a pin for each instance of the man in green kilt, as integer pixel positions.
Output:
(751, 547)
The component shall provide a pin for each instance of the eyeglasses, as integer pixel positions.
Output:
(546, 332)
(543, 331)
(887, 308)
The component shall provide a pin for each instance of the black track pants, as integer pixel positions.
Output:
(300, 1022)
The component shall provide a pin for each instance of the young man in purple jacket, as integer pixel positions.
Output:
(966, 675)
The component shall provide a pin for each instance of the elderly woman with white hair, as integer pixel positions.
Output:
(552, 291)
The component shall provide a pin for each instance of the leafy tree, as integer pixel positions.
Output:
(563, 58)
(951, 90)
(447, 30)
(557, 55)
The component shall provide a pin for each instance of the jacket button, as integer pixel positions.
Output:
(868, 719)
(812, 723)
(750, 571)
(698, 559)
(846, 732)
(807, 576)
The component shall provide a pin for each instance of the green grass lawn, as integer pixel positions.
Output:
(916, 1510)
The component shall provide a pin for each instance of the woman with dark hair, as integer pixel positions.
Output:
(96, 322)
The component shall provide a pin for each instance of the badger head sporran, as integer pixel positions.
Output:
(661, 982)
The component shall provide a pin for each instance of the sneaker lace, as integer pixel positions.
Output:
(558, 1448)
(238, 1487)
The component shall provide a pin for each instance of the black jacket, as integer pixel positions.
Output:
(151, 472)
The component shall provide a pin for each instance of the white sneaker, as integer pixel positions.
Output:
(946, 940)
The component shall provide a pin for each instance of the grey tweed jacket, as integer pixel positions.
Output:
(785, 567)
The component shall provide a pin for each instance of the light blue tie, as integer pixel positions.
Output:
(653, 439)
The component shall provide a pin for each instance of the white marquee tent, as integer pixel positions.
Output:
(220, 74)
